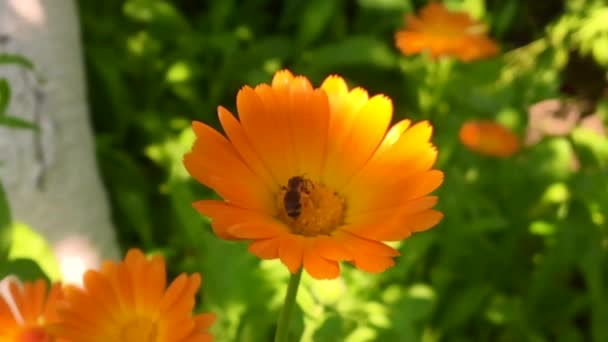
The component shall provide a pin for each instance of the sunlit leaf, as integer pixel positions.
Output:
(26, 243)
(591, 148)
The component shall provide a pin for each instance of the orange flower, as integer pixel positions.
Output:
(312, 177)
(129, 301)
(27, 310)
(489, 138)
(445, 33)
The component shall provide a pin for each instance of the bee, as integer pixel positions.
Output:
(293, 195)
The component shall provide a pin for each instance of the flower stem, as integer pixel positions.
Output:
(290, 300)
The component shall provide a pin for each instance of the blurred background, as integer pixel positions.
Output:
(522, 253)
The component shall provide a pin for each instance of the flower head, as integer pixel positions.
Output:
(489, 138)
(312, 177)
(445, 33)
(27, 310)
(129, 301)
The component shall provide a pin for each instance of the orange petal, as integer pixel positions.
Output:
(308, 117)
(243, 146)
(330, 248)
(265, 123)
(53, 299)
(204, 321)
(256, 230)
(265, 249)
(344, 108)
(199, 338)
(7, 320)
(151, 284)
(16, 291)
(357, 245)
(366, 130)
(395, 194)
(291, 251)
(442, 32)
(369, 256)
(489, 138)
(182, 303)
(186, 327)
(34, 297)
(215, 163)
(399, 157)
(135, 264)
(120, 280)
(105, 299)
(76, 307)
(388, 213)
(282, 79)
(174, 292)
(318, 267)
(230, 222)
(424, 220)
(397, 229)
(373, 264)
(411, 152)
(392, 136)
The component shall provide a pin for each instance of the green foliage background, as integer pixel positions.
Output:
(522, 253)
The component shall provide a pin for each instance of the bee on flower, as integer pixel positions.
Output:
(316, 176)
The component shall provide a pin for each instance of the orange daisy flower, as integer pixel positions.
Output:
(489, 138)
(312, 177)
(445, 33)
(27, 310)
(129, 301)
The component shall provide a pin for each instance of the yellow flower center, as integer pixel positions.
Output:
(33, 334)
(139, 329)
(310, 208)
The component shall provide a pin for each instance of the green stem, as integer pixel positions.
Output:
(290, 301)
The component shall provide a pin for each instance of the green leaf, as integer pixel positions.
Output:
(5, 225)
(600, 50)
(314, 19)
(463, 306)
(6, 58)
(333, 326)
(504, 18)
(251, 323)
(5, 95)
(157, 12)
(386, 5)
(15, 122)
(29, 244)
(354, 51)
(24, 269)
(593, 263)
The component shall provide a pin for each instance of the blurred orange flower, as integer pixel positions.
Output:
(129, 301)
(34, 309)
(445, 33)
(312, 177)
(489, 138)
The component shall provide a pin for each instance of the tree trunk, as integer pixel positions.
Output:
(51, 176)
